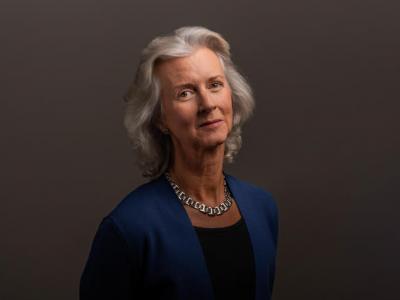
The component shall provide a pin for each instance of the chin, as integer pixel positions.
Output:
(213, 143)
(213, 139)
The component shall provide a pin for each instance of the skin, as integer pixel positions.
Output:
(197, 111)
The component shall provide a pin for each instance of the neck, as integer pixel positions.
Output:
(200, 175)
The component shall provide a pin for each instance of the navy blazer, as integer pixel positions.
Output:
(147, 248)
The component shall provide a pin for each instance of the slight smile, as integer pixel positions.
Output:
(211, 124)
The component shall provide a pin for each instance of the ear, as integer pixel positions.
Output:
(164, 130)
(162, 127)
(161, 118)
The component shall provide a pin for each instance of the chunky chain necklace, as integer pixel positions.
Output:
(208, 210)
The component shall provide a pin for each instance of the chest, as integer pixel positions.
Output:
(172, 258)
(215, 261)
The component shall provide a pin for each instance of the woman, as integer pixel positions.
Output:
(192, 232)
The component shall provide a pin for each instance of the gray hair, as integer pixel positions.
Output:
(143, 108)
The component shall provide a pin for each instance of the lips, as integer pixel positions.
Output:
(210, 122)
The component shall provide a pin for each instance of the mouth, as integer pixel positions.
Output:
(210, 123)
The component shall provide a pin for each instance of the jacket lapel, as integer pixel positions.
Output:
(182, 237)
(256, 224)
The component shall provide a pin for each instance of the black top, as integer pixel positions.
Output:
(230, 260)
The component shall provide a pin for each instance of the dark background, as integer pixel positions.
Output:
(324, 138)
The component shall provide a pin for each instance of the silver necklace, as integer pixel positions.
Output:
(205, 209)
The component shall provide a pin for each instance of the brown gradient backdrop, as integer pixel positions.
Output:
(324, 138)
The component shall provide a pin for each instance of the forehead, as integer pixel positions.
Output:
(200, 65)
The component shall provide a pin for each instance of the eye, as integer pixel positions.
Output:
(185, 94)
(216, 85)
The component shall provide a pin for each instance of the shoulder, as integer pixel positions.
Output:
(261, 195)
(140, 198)
(133, 213)
(261, 200)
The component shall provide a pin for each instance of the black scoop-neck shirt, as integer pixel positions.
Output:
(230, 261)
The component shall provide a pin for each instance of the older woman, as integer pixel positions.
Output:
(193, 231)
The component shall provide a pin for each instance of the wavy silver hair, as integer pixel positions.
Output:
(143, 108)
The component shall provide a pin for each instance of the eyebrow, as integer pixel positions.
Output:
(183, 86)
(190, 85)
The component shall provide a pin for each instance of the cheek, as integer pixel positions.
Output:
(179, 117)
(228, 107)
(230, 114)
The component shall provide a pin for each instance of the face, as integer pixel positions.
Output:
(196, 100)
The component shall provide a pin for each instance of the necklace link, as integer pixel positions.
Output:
(202, 207)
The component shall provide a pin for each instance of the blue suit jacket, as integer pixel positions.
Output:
(147, 248)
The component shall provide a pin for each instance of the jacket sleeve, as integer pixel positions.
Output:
(275, 236)
(109, 272)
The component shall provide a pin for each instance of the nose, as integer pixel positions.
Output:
(206, 101)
